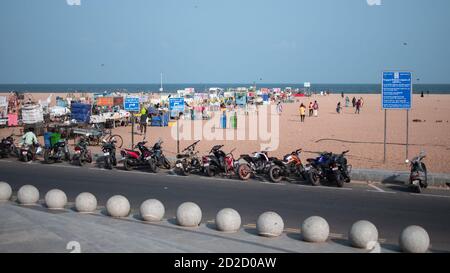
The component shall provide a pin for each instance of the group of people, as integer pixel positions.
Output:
(356, 103)
(313, 110)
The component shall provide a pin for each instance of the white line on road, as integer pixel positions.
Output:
(430, 195)
(322, 187)
(391, 192)
(376, 188)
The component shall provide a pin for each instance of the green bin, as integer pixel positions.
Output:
(55, 138)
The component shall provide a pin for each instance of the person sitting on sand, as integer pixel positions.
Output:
(338, 108)
(302, 110)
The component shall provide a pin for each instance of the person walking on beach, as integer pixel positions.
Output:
(310, 108)
(362, 102)
(316, 109)
(279, 108)
(354, 102)
(338, 108)
(143, 121)
(302, 112)
(347, 101)
(358, 106)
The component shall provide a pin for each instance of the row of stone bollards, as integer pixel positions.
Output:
(363, 234)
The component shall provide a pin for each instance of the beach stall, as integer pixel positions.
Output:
(33, 117)
(3, 111)
(81, 112)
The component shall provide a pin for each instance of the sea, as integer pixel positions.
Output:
(199, 87)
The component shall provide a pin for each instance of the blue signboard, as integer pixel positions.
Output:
(131, 104)
(397, 90)
(176, 105)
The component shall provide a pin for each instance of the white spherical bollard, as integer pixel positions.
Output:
(414, 239)
(55, 199)
(189, 215)
(28, 195)
(363, 234)
(228, 220)
(152, 210)
(5, 191)
(270, 224)
(86, 202)
(315, 229)
(118, 206)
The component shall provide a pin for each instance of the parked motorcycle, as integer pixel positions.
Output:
(290, 166)
(418, 178)
(57, 153)
(81, 153)
(7, 147)
(329, 167)
(218, 162)
(136, 158)
(109, 153)
(158, 159)
(258, 163)
(188, 160)
(28, 152)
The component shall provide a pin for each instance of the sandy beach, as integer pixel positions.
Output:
(362, 134)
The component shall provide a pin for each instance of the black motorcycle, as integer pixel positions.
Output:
(158, 159)
(418, 178)
(290, 167)
(218, 162)
(188, 160)
(57, 153)
(330, 167)
(7, 147)
(109, 153)
(81, 153)
(256, 164)
(28, 152)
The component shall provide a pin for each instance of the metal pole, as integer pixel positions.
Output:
(407, 133)
(178, 136)
(132, 131)
(385, 120)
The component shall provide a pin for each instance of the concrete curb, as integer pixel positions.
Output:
(397, 177)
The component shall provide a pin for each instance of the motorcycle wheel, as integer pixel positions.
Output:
(275, 174)
(80, 162)
(314, 178)
(425, 182)
(108, 164)
(153, 167)
(166, 163)
(126, 165)
(339, 180)
(67, 156)
(244, 172)
(47, 156)
(210, 171)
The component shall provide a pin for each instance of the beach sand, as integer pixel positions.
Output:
(362, 134)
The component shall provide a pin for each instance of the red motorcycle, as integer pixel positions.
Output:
(137, 158)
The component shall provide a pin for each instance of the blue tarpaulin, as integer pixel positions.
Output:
(81, 112)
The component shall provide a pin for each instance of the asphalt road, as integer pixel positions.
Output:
(390, 207)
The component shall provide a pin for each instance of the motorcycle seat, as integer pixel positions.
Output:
(182, 156)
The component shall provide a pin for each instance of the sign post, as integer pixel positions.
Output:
(176, 105)
(397, 95)
(131, 104)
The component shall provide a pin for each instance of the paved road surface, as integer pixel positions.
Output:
(390, 207)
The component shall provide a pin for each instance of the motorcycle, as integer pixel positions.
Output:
(157, 158)
(291, 165)
(218, 162)
(26, 153)
(81, 153)
(7, 147)
(136, 158)
(188, 161)
(59, 152)
(109, 153)
(329, 167)
(257, 164)
(418, 178)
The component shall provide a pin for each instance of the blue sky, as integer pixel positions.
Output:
(222, 41)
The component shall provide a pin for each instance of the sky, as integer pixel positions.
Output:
(222, 41)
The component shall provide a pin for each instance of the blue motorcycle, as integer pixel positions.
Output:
(329, 167)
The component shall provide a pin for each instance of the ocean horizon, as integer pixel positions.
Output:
(200, 87)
